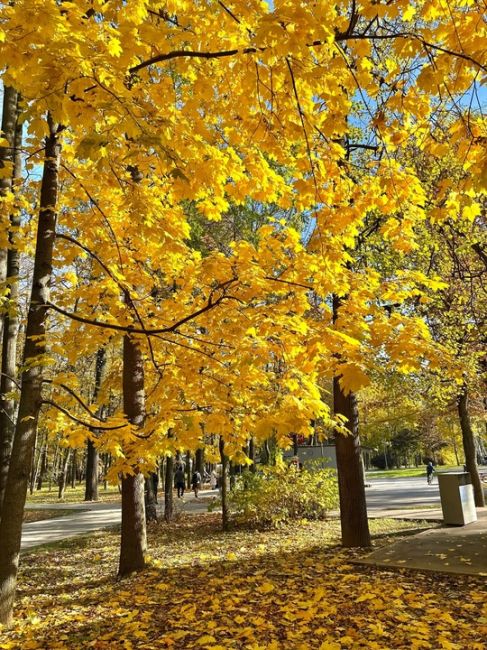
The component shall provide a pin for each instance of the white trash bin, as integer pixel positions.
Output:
(457, 499)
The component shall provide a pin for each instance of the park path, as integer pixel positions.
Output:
(451, 550)
(385, 497)
(88, 517)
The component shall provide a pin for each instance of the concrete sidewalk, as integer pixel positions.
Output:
(89, 516)
(449, 549)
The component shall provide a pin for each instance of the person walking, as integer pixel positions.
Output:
(196, 482)
(213, 480)
(179, 480)
(429, 472)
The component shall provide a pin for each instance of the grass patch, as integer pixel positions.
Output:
(288, 589)
(72, 495)
(405, 472)
(32, 514)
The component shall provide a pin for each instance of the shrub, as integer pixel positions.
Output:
(281, 494)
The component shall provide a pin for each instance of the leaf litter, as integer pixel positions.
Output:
(293, 588)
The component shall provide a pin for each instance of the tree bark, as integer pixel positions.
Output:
(133, 543)
(252, 454)
(9, 123)
(351, 479)
(188, 470)
(200, 461)
(63, 474)
(150, 499)
(224, 486)
(32, 375)
(469, 447)
(10, 319)
(168, 489)
(36, 459)
(295, 445)
(91, 479)
(74, 467)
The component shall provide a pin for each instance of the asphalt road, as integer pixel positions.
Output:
(398, 493)
(382, 495)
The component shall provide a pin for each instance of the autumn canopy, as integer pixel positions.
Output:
(228, 213)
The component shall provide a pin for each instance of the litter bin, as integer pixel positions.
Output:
(457, 501)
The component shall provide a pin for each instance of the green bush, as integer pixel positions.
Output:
(278, 495)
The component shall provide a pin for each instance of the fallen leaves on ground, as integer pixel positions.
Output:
(290, 589)
(39, 515)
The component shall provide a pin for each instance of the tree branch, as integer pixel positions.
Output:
(340, 37)
(130, 329)
(82, 422)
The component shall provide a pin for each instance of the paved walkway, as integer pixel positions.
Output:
(90, 516)
(449, 549)
(446, 549)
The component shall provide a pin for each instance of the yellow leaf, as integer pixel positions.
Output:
(114, 47)
(205, 639)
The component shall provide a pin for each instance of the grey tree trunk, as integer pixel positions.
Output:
(351, 479)
(31, 392)
(469, 447)
(36, 459)
(168, 490)
(63, 474)
(74, 468)
(187, 468)
(224, 486)
(134, 538)
(91, 479)
(10, 320)
(252, 454)
(150, 499)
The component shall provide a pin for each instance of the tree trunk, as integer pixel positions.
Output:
(232, 473)
(74, 465)
(188, 470)
(295, 444)
(9, 123)
(91, 479)
(35, 461)
(150, 499)
(469, 447)
(133, 542)
(54, 470)
(63, 474)
(252, 454)
(10, 319)
(224, 486)
(134, 538)
(351, 479)
(168, 489)
(32, 375)
(199, 462)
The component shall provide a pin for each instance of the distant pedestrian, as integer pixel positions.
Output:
(179, 480)
(213, 480)
(429, 472)
(196, 482)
